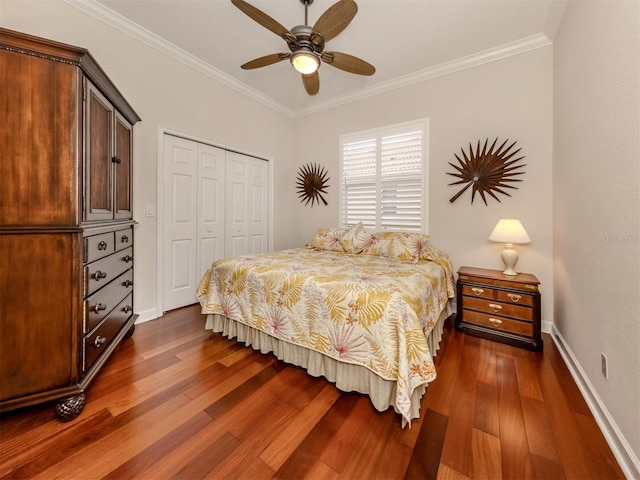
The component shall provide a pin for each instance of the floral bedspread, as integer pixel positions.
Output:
(368, 310)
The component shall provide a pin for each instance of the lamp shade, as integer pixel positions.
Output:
(509, 230)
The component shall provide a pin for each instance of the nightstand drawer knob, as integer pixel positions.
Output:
(495, 308)
(514, 298)
(495, 322)
(477, 291)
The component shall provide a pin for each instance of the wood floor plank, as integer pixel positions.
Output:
(176, 401)
(457, 442)
(487, 455)
(136, 465)
(306, 454)
(425, 461)
(344, 441)
(486, 414)
(514, 447)
(364, 458)
(276, 454)
(544, 454)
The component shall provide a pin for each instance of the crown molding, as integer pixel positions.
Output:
(134, 30)
(491, 55)
(125, 25)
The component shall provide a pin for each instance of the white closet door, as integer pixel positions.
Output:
(259, 209)
(215, 205)
(237, 211)
(247, 205)
(211, 206)
(180, 178)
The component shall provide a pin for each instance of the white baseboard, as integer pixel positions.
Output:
(147, 315)
(621, 449)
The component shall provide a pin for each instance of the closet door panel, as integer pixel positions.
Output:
(180, 222)
(211, 205)
(237, 200)
(258, 212)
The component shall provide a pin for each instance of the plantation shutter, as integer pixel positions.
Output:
(401, 182)
(360, 183)
(383, 179)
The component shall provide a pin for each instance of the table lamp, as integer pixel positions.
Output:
(509, 231)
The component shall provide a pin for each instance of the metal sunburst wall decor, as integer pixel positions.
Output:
(312, 183)
(487, 171)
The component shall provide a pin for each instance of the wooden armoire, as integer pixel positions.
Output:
(66, 225)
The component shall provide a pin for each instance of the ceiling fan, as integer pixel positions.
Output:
(306, 43)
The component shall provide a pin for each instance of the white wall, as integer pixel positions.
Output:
(510, 98)
(166, 94)
(596, 190)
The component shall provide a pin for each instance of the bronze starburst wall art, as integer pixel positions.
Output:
(487, 171)
(312, 183)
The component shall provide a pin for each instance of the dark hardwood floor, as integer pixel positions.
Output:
(176, 401)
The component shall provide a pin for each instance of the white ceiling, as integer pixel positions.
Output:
(406, 40)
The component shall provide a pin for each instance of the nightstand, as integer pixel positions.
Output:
(499, 307)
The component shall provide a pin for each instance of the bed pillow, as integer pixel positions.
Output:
(405, 246)
(352, 239)
(327, 239)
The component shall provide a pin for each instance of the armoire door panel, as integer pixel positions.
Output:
(98, 156)
(122, 166)
(33, 121)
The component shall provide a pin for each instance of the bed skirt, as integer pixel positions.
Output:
(347, 377)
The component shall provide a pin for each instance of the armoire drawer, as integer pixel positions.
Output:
(98, 246)
(101, 272)
(98, 305)
(124, 238)
(98, 341)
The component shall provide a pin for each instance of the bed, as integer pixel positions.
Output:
(365, 310)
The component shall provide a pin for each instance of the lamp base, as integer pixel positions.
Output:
(510, 258)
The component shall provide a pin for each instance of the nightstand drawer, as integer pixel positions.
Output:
(513, 297)
(478, 291)
(499, 308)
(496, 322)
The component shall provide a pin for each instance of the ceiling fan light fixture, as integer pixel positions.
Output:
(305, 61)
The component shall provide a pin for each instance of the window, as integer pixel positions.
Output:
(383, 178)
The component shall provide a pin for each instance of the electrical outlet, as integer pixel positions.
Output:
(604, 366)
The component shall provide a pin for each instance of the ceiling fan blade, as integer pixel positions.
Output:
(264, 20)
(348, 63)
(266, 60)
(311, 83)
(335, 19)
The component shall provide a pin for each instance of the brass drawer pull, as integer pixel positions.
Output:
(99, 307)
(124, 239)
(128, 258)
(128, 309)
(127, 283)
(514, 298)
(495, 308)
(495, 322)
(99, 341)
(98, 275)
(102, 245)
(477, 291)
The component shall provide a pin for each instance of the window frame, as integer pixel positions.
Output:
(378, 134)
